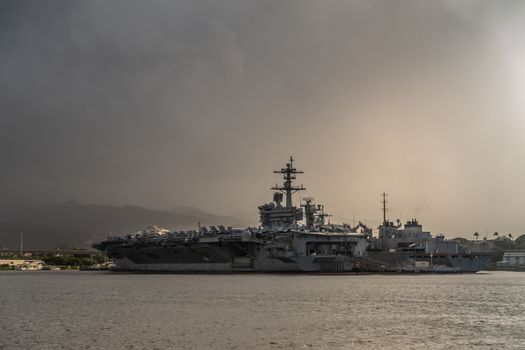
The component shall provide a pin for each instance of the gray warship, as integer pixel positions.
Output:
(408, 248)
(289, 239)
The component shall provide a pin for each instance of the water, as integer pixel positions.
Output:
(100, 310)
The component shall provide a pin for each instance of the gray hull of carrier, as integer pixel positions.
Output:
(230, 256)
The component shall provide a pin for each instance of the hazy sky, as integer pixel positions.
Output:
(163, 103)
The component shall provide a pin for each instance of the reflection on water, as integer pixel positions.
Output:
(100, 310)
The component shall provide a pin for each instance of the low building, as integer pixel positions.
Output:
(512, 260)
(485, 245)
(20, 264)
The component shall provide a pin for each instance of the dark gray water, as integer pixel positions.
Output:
(93, 310)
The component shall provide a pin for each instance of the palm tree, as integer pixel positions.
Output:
(476, 235)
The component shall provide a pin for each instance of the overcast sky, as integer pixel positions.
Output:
(164, 103)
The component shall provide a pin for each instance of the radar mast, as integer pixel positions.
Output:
(288, 175)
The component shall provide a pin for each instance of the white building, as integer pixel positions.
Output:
(20, 264)
(512, 260)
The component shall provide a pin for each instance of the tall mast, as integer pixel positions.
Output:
(384, 208)
(288, 175)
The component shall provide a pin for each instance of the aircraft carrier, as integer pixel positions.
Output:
(292, 239)
(289, 239)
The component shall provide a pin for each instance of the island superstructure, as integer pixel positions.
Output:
(288, 239)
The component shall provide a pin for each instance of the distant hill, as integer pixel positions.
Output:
(37, 236)
(233, 220)
(73, 224)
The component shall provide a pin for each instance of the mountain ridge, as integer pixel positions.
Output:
(75, 224)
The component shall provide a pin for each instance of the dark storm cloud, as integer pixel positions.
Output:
(98, 90)
(161, 103)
